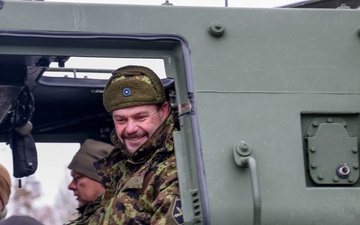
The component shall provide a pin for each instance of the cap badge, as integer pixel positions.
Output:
(126, 92)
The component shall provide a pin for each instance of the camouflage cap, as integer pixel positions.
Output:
(89, 152)
(133, 86)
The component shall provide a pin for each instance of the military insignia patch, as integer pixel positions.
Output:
(177, 211)
(126, 92)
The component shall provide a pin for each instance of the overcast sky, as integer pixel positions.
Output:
(215, 3)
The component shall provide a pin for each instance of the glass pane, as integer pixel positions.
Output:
(100, 68)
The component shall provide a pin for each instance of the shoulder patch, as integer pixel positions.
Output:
(177, 212)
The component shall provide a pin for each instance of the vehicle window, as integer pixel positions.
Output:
(67, 84)
(43, 191)
(99, 68)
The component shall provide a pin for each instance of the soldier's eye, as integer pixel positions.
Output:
(120, 120)
(77, 179)
(141, 117)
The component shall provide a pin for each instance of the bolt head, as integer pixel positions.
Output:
(354, 149)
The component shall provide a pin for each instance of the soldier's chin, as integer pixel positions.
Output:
(81, 203)
(133, 145)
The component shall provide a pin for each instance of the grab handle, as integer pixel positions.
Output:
(250, 162)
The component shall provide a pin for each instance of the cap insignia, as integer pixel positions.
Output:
(126, 92)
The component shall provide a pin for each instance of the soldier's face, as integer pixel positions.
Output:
(85, 189)
(134, 125)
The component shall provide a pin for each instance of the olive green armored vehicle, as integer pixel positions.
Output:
(268, 100)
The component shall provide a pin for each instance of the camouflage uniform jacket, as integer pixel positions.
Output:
(85, 212)
(141, 188)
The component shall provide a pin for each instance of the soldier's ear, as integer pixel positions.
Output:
(164, 110)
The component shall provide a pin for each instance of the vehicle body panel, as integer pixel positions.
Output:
(259, 82)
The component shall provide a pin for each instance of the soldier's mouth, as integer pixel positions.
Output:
(135, 138)
(135, 142)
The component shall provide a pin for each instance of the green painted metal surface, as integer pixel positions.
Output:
(251, 78)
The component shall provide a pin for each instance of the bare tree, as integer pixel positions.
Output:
(25, 201)
(25, 196)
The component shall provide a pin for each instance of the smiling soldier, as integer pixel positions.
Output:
(140, 175)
